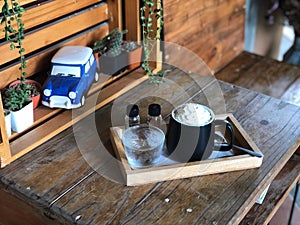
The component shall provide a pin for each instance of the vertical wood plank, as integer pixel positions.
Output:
(132, 20)
(115, 14)
(4, 146)
(159, 55)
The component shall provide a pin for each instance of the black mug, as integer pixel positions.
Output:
(191, 133)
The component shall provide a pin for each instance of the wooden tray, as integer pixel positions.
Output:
(236, 161)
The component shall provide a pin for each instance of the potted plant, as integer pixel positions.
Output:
(16, 97)
(112, 58)
(134, 54)
(16, 100)
(34, 90)
(151, 33)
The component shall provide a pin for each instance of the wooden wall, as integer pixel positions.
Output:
(50, 25)
(213, 29)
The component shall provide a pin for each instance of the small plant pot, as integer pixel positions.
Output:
(134, 58)
(113, 65)
(35, 99)
(23, 118)
(7, 118)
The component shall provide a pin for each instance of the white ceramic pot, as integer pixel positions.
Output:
(22, 119)
(7, 122)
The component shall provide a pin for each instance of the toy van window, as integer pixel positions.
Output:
(87, 67)
(92, 59)
(69, 71)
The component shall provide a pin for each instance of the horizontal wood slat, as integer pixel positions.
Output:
(41, 13)
(22, 2)
(214, 30)
(40, 62)
(56, 32)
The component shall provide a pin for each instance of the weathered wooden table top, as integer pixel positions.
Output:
(60, 178)
(265, 75)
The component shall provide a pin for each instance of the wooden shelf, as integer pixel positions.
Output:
(42, 113)
(49, 122)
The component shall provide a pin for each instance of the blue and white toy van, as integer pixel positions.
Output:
(73, 70)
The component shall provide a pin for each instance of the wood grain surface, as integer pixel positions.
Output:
(278, 191)
(39, 63)
(40, 13)
(279, 80)
(70, 173)
(265, 75)
(214, 30)
(56, 31)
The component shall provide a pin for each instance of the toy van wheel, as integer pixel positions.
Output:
(82, 100)
(96, 77)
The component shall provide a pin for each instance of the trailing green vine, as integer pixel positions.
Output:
(151, 33)
(15, 97)
(15, 35)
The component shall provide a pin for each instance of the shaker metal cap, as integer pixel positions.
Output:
(154, 109)
(132, 110)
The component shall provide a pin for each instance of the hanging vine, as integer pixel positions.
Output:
(151, 15)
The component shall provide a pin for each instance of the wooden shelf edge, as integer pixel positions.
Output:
(63, 120)
(43, 113)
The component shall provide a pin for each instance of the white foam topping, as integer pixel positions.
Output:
(193, 114)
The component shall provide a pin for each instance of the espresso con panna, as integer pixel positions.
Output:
(192, 114)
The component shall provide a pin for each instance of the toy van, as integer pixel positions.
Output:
(73, 70)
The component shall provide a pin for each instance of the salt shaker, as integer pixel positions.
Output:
(154, 116)
(132, 116)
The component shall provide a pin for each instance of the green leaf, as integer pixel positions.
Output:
(12, 46)
(4, 8)
(10, 29)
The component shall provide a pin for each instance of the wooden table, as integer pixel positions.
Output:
(54, 183)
